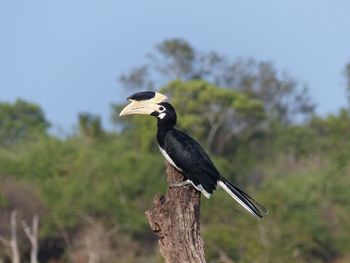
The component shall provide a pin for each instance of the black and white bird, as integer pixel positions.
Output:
(184, 153)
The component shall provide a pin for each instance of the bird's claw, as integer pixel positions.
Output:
(177, 184)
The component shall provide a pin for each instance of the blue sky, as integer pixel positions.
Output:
(67, 55)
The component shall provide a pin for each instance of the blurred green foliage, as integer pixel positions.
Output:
(96, 184)
(19, 121)
(299, 172)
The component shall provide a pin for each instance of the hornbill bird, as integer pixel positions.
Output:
(184, 153)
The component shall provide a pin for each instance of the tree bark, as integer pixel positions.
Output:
(175, 220)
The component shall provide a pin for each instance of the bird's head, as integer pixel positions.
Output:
(150, 103)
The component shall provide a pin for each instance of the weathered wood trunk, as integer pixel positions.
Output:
(175, 220)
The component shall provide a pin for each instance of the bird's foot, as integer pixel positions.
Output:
(176, 184)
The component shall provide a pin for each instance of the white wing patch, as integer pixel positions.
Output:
(166, 156)
(198, 187)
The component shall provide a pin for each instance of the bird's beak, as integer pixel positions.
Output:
(139, 107)
(145, 107)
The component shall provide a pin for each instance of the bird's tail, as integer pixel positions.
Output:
(242, 198)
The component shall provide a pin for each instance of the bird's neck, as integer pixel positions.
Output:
(163, 127)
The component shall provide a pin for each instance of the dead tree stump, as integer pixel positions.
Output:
(175, 220)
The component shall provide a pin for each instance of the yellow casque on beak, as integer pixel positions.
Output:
(145, 107)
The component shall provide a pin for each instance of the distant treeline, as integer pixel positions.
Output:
(90, 189)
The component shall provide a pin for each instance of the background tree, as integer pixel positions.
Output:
(215, 115)
(90, 125)
(21, 120)
(285, 99)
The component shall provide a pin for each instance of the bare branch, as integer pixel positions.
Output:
(13, 241)
(32, 234)
(4, 241)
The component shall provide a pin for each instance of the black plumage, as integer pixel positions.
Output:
(189, 156)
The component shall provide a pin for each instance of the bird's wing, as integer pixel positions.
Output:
(195, 163)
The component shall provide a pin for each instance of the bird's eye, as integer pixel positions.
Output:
(161, 108)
